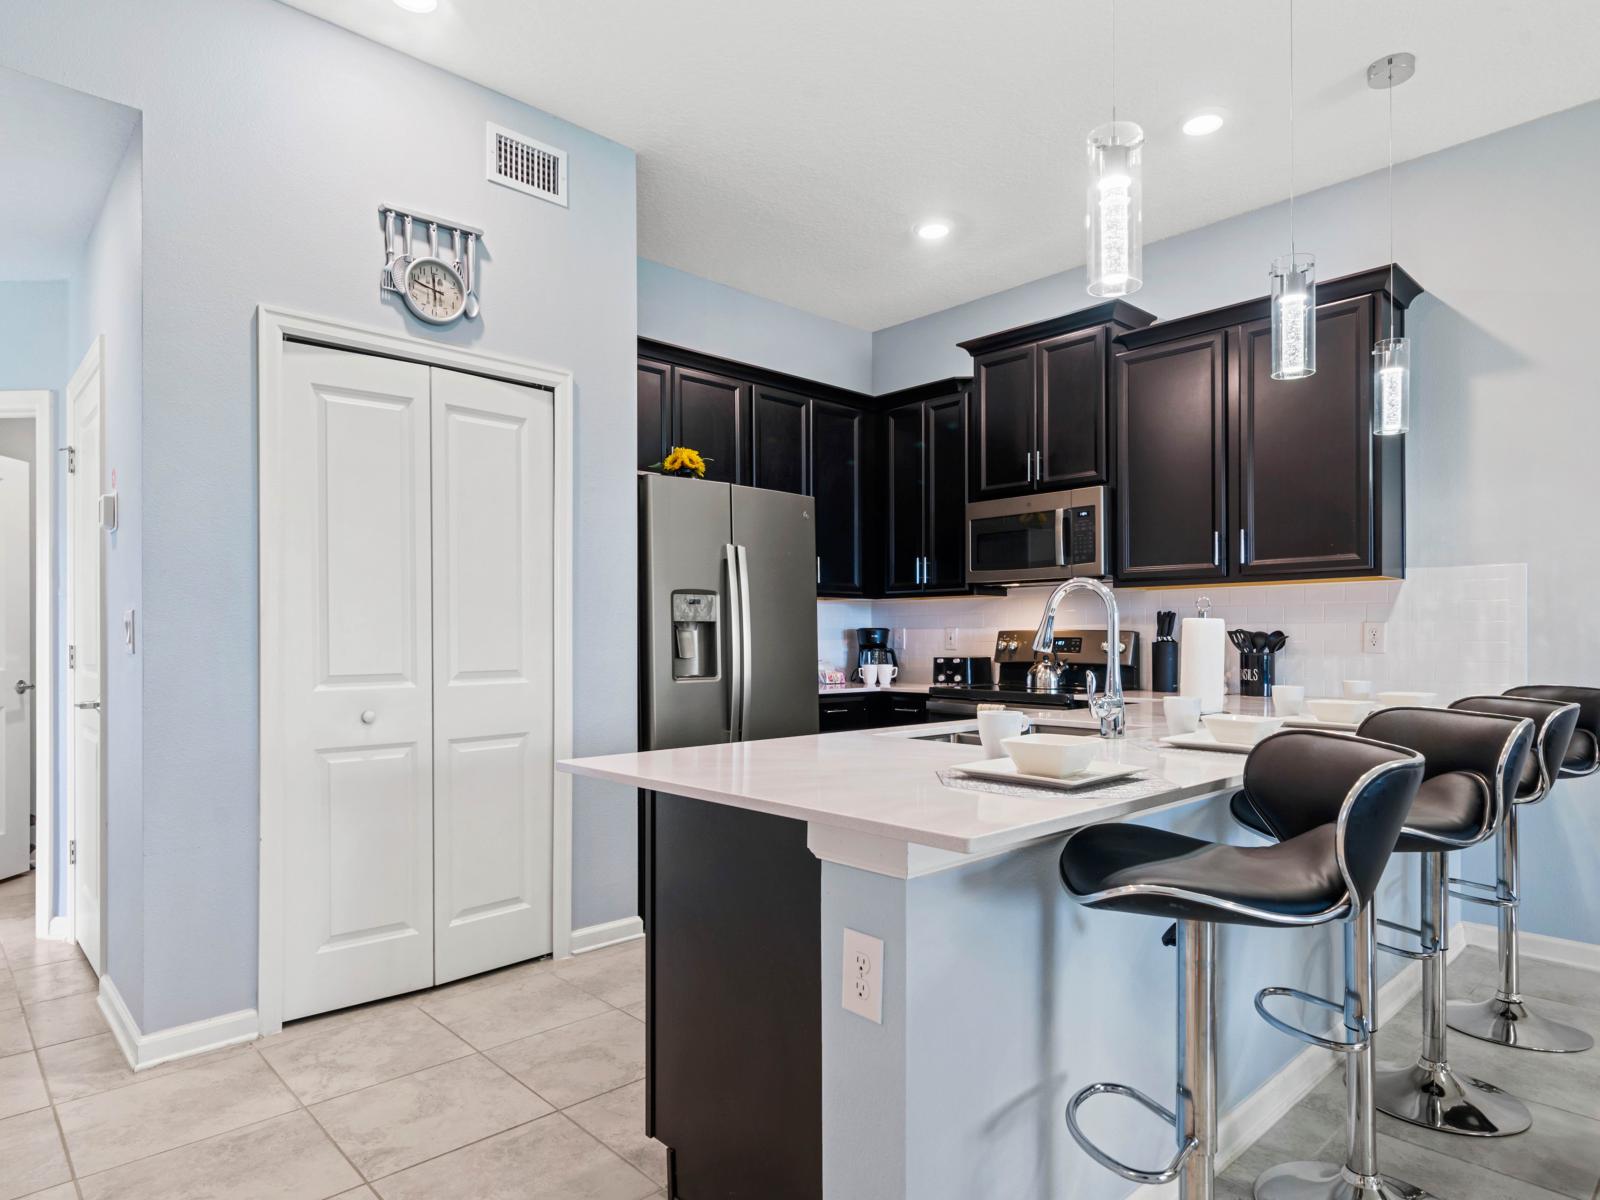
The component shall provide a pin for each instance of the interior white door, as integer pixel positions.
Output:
(356, 655)
(493, 599)
(16, 671)
(85, 415)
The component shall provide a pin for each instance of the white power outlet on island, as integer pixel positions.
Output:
(1373, 637)
(950, 637)
(863, 968)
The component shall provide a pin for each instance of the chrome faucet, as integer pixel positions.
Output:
(1108, 707)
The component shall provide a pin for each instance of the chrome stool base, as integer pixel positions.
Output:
(1330, 1181)
(1509, 1023)
(1435, 1097)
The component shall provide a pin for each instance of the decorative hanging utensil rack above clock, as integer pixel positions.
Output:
(436, 288)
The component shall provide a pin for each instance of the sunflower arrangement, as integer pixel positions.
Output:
(684, 460)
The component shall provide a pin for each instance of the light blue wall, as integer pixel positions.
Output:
(33, 335)
(107, 302)
(1507, 416)
(269, 139)
(688, 311)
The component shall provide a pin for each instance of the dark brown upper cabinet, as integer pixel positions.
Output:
(1226, 473)
(655, 410)
(925, 514)
(781, 440)
(1171, 419)
(1039, 417)
(711, 413)
(840, 445)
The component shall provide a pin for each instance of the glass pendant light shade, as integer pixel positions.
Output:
(1116, 217)
(1391, 386)
(1294, 316)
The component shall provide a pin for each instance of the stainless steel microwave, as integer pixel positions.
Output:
(1040, 538)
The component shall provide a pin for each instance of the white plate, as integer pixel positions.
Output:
(1201, 739)
(1307, 721)
(1095, 774)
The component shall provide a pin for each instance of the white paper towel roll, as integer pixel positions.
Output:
(1202, 661)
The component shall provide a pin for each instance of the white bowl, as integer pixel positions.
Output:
(1408, 699)
(1342, 712)
(1356, 689)
(1054, 755)
(1240, 731)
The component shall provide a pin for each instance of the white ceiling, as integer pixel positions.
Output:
(787, 148)
(58, 151)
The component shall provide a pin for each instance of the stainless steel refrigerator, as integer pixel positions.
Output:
(729, 612)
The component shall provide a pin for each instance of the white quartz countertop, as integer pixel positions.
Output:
(885, 783)
(859, 689)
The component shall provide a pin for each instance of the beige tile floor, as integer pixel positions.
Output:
(524, 1083)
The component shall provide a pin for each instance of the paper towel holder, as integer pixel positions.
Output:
(1202, 606)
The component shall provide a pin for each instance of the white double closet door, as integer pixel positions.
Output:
(417, 636)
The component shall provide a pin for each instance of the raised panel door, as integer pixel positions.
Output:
(1003, 423)
(906, 497)
(945, 540)
(1072, 409)
(711, 416)
(781, 432)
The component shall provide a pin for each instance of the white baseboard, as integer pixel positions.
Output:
(1246, 1122)
(1585, 955)
(594, 937)
(144, 1050)
(59, 929)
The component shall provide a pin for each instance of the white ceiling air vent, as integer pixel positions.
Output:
(517, 161)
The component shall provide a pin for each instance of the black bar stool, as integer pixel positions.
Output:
(1568, 746)
(1474, 761)
(1339, 804)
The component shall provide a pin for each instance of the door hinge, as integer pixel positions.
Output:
(72, 459)
(72, 657)
(72, 853)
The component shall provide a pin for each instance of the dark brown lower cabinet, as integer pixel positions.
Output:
(733, 1001)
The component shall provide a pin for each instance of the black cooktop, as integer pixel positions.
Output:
(1000, 694)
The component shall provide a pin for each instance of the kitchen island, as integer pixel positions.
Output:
(999, 998)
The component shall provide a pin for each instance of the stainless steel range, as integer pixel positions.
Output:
(1075, 653)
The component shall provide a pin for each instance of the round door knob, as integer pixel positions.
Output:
(368, 717)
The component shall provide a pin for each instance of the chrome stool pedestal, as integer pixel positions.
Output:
(1429, 1093)
(1357, 1178)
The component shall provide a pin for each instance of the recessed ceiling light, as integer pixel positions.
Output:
(418, 6)
(932, 231)
(1203, 123)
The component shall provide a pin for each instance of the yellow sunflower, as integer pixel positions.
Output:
(683, 458)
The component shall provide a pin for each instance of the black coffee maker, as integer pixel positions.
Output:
(872, 646)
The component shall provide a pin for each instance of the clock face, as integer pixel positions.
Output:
(434, 291)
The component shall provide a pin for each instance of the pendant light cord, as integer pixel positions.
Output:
(1112, 6)
(1291, 134)
(1391, 197)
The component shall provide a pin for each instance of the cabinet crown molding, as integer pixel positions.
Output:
(1112, 312)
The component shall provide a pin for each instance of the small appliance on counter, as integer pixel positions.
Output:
(1164, 654)
(872, 648)
(1257, 650)
(963, 671)
(1075, 653)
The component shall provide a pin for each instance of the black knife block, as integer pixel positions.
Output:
(1163, 665)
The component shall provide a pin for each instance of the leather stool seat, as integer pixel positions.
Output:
(1583, 753)
(1449, 808)
(1184, 878)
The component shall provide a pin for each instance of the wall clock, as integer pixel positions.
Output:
(437, 289)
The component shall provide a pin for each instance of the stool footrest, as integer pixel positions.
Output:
(1474, 892)
(1414, 955)
(1133, 1174)
(1342, 1046)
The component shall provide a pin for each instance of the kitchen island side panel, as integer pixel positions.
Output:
(735, 1062)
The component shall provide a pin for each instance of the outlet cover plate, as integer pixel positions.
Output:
(863, 975)
(1374, 637)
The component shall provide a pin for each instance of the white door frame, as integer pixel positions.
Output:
(274, 326)
(41, 407)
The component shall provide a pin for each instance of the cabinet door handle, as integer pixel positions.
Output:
(1216, 547)
(1242, 558)
(1038, 465)
(1027, 469)
(927, 571)
(819, 568)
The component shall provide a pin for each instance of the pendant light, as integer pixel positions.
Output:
(1116, 211)
(1391, 356)
(1294, 280)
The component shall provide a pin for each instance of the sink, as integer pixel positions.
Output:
(969, 737)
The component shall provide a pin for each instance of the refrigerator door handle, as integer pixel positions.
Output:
(737, 646)
(747, 635)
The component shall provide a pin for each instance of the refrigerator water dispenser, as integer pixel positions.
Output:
(694, 635)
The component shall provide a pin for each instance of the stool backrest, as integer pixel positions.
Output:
(1490, 747)
(1300, 780)
(1584, 752)
(1553, 722)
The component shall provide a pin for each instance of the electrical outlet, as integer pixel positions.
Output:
(950, 637)
(1374, 637)
(863, 975)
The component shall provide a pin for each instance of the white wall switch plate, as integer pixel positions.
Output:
(863, 975)
(950, 637)
(1374, 637)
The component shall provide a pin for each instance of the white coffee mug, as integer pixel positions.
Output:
(1357, 689)
(1182, 713)
(994, 726)
(869, 674)
(887, 674)
(1288, 700)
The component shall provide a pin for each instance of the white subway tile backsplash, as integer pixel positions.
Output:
(1454, 630)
